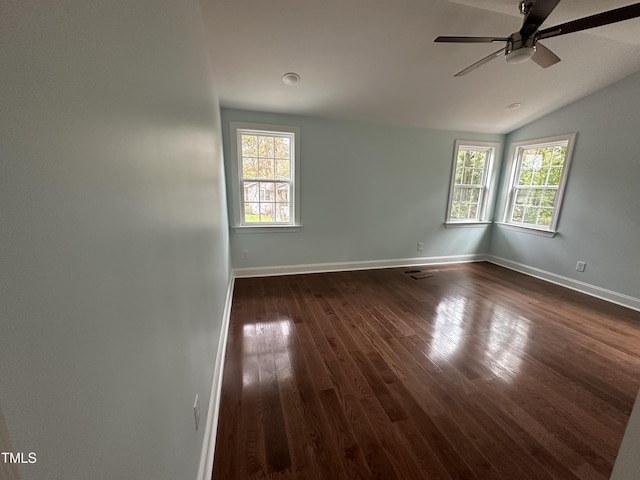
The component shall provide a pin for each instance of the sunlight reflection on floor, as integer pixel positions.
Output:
(508, 336)
(271, 341)
(495, 338)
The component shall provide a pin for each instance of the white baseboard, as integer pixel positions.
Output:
(359, 265)
(205, 469)
(583, 287)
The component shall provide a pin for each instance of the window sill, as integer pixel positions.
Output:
(530, 230)
(465, 224)
(267, 228)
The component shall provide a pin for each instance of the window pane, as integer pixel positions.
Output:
(282, 212)
(282, 192)
(462, 158)
(250, 167)
(266, 167)
(282, 147)
(531, 215)
(459, 172)
(265, 146)
(267, 191)
(283, 169)
(251, 212)
(545, 216)
(522, 196)
(554, 175)
(477, 176)
(517, 215)
(249, 145)
(540, 176)
(456, 211)
(267, 212)
(467, 178)
(251, 192)
(549, 198)
(558, 155)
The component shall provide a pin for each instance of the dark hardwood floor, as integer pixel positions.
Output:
(474, 372)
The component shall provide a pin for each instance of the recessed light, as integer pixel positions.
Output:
(513, 106)
(291, 78)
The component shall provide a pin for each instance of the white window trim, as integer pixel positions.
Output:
(525, 229)
(236, 176)
(552, 230)
(489, 183)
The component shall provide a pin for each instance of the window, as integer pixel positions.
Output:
(266, 175)
(537, 182)
(470, 182)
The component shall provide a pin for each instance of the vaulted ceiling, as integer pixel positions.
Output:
(375, 60)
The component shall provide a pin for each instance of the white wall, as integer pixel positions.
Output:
(368, 192)
(599, 221)
(115, 258)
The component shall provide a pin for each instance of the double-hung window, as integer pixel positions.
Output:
(470, 182)
(538, 178)
(266, 175)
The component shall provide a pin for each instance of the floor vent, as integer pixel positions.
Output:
(419, 274)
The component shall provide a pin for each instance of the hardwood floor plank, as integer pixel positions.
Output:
(476, 372)
(353, 460)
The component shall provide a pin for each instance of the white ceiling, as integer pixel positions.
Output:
(375, 60)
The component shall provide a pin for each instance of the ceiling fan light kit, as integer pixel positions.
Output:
(524, 44)
(519, 50)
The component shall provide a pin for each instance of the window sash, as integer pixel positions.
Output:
(462, 204)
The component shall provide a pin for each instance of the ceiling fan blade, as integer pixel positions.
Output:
(597, 20)
(479, 63)
(471, 39)
(539, 12)
(544, 57)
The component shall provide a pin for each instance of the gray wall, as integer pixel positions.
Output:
(368, 192)
(115, 258)
(600, 220)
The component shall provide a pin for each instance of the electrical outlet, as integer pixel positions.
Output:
(420, 246)
(196, 411)
(245, 254)
(580, 266)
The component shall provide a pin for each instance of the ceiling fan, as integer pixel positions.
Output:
(524, 44)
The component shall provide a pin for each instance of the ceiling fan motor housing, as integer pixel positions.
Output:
(520, 49)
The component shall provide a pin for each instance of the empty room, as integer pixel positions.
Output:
(320, 240)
